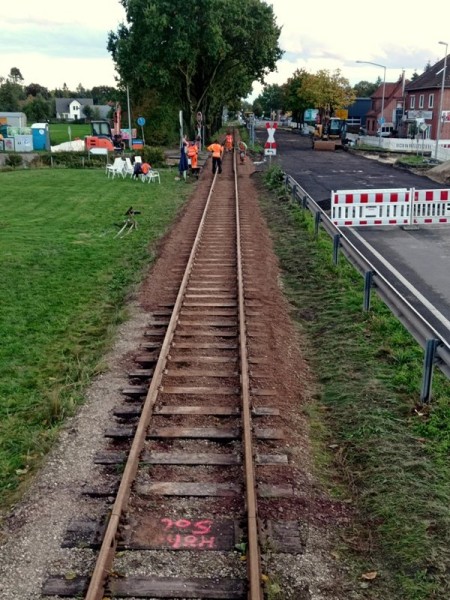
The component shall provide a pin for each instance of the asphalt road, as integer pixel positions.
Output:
(420, 257)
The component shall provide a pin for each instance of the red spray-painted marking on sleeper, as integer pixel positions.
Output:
(194, 534)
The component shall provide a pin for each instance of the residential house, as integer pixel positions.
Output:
(423, 99)
(71, 109)
(391, 95)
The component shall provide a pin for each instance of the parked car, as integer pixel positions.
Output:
(386, 130)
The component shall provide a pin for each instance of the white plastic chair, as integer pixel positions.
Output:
(128, 168)
(116, 168)
(152, 175)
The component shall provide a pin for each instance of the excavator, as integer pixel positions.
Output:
(330, 135)
(102, 136)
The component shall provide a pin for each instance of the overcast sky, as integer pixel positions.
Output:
(53, 43)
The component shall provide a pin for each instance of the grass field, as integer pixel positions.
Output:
(59, 132)
(376, 448)
(64, 281)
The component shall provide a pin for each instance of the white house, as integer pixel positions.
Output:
(71, 109)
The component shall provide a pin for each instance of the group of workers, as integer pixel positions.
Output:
(189, 154)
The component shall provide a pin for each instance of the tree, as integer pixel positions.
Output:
(37, 109)
(365, 89)
(102, 94)
(88, 110)
(200, 56)
(257, 108)
(298, 97)
(81, 92)
(271, 99)
(328, 91)
(34, 89)
(11, 94)
(15, 75)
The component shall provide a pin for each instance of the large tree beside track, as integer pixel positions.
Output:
(200, 54)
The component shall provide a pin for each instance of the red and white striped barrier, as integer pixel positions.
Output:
(432, 206)
(390, 207)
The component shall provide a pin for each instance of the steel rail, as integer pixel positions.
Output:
(409, 316)
(253, 554)
(105, 558)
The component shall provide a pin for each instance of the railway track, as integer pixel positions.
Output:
(197, 441)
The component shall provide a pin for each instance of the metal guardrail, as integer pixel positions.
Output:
(437, 349)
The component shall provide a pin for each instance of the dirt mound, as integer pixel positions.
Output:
(440, 173)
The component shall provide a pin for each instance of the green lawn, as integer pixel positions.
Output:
(59, 132)
(64, 281)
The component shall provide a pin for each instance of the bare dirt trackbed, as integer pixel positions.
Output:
(54, 499)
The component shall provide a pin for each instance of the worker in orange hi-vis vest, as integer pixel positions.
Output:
(192, 153)
(228, 142)
(217, 151)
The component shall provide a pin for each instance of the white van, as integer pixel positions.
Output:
(386, 130)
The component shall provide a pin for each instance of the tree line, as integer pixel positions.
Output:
(38, 102)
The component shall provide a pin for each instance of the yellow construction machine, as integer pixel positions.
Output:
(330, 134)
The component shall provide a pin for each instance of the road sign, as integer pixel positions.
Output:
(341, 113)
(270, 147)
(141, 121)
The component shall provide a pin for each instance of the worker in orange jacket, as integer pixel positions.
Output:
(192, 153)
(217, 150)
(228, 142)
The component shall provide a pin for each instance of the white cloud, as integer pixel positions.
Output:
(52, 46)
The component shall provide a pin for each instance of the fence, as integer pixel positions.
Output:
(390, 207)
(416, 146)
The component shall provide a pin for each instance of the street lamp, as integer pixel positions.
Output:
(439, 119)
(366, 62)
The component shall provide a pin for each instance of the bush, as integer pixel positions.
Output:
(14, 160)
(154, 156)
(70, 160)
(274, 178)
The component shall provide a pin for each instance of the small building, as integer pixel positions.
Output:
(13, 119)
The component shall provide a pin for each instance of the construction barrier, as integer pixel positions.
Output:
(390, 207)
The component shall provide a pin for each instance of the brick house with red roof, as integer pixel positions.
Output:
(423, 96)
(393, 106)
